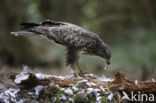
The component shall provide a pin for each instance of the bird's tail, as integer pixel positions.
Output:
(36, 29)
(28, 26)
(27, 29)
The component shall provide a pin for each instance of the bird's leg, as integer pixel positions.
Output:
(77, 64)
(72, 57)
(81, 71)
(75, 72)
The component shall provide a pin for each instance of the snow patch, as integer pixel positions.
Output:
(75, 88)
(80, 91)
(88, 75)
(70, 99)
(94, 91)
(22, 76)
(68, 91)
(89, 90)
(82, 81)
(54, 100)
(10, 95)
(136, 82)
(110, 96)
(91, 84)
(37, 90)
(62, 89)
(63, 97)
(105, 79)
(153, 80)
(99, 99)
(42, 76)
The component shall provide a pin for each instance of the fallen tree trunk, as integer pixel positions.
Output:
(119, 83)
(87, 89)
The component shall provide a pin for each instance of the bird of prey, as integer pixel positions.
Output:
(75, 39)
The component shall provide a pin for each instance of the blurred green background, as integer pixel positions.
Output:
(127, 26)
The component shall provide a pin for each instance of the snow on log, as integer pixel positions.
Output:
(86, 89)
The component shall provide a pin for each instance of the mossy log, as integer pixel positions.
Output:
(120, 83)
(90, 89)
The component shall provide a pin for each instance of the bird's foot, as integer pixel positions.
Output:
(79, 74)
(82, 73)
(76, 73)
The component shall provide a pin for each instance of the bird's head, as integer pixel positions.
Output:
(104, 52)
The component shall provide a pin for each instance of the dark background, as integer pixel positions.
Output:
(127, 26)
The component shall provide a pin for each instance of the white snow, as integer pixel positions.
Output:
(80, 91)
(82, 81)
(42, 76)
(75, 88)
(62, 89)
(68, 91)
(136, 82)
(94, 91)
(63, 97)
(89, 90)
(87, 83)
(91, 84)
(22, 76)
(153, 80)
(31, 93)
(14, 33)
(54, 100)
(105, 79)
(38, 89)
(86, 75)
(110, 96)
(10, 95)
(70, 99)
(71, 76)
(98, 99)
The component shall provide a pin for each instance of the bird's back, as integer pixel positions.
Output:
(69, 35)
(73, 35)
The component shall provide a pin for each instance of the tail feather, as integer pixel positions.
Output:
(27, 26)
(36, 29)
(33, 27)
(30, 29)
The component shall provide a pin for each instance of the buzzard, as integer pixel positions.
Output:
(75, 39)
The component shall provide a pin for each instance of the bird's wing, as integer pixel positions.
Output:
(72, 35)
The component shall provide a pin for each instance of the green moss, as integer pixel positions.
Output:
(53, 93)
(92, 98)
(85, 98)
(82, 85)
(105, 99)
(50, 94)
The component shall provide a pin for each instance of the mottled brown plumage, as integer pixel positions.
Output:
(76, 39)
